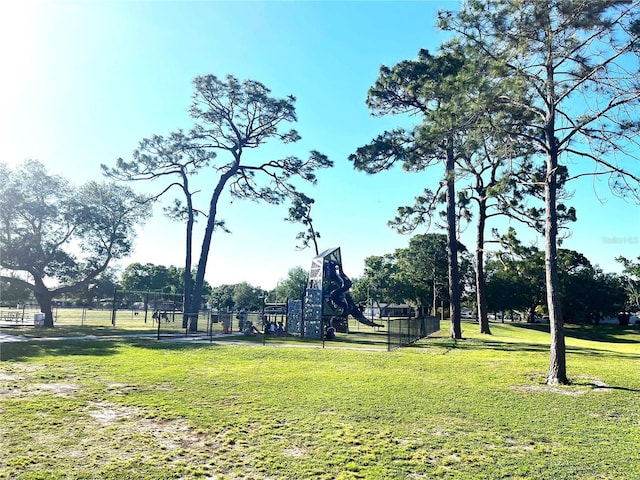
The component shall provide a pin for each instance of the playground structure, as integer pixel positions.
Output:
(326, 300)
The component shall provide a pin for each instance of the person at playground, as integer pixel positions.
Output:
(330, 333)
(280, 329)
(250, 329)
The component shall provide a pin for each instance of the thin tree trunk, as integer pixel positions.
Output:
(481, 296)
(435, 289)
(187, 278)
(452, 249)
(315, 240)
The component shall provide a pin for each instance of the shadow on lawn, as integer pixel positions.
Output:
(447, 345)
(595, 333)
(17, 351)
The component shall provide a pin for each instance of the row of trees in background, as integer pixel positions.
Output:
(152, 281)
(515, 281)
(416, 275)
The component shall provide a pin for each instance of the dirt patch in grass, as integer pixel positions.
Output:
(550, 389)
(582, 386)
(175, 442)
(295, 451)
(55, 388)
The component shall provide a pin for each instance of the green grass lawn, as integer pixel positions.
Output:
(474, 409)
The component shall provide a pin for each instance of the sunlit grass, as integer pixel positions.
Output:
(476, 408)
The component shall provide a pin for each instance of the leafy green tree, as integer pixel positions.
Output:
(607, 296)
(515, 281)
(631, 280)
(248, 297)
(578, 60)
(361, 291)
(101, 287)
(62, 237)
(507, 290)
(293, 286)
(221, 297)
(381, 282)
(150, 277)
(424, 266)
(586, 292)
(13, 291)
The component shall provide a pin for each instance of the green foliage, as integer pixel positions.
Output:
(13, 291)
(631, 281)
(151, 277)
(423, 266)
(292, 287)
(300, 212)
(239, 296)
(221, 297)
(62, 235)
(517, 282)
(73, 410)
(247, 297)
(382, 281)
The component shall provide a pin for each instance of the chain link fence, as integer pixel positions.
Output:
(405, 331)
(171, 322)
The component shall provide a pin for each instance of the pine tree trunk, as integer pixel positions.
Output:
(557, 365)
(196, 298)
(452, 249)
(481, 295)
(187, 281)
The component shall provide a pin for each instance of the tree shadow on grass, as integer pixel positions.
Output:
(597, 385)
(168, 345)
(596, 333)
(446, 345)
(20, 351)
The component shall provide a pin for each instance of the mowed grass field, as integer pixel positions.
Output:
(475, 409)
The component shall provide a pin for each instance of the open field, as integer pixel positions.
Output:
(476, 409)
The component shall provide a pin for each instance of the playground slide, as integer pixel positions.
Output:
(357, 314)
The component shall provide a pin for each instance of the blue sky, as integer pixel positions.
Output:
(84, 81)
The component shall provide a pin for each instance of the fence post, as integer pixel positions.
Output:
(388, 335)
(113, 307)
